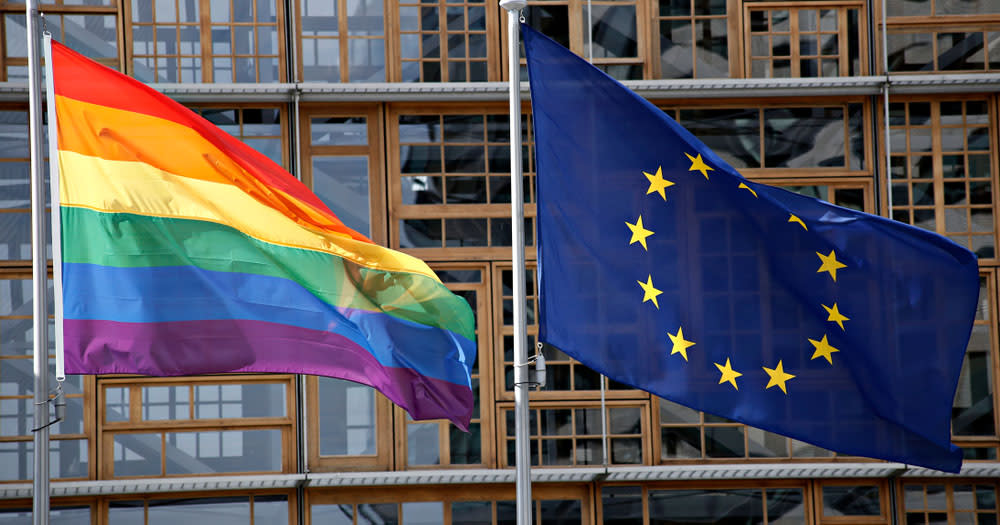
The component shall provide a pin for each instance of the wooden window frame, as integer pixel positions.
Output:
(936, 153)
(389, 31)
(57, 7)
(671, 108)
(702, 424)
(576, 11)
(843, 60)
(88, 401)
(107, 431)
(484, 358)
(448, 494)
(948, 485)
(733, 17)
(381, 460)
(495, 21)
(55, 503)
(205, 24)
(399, 211)
(374, 115)
(239, 108)
(865, 184)
(756, 484)
(991, 275)
(103, 504)
(818, 507)
(501, 330)
(534, 438)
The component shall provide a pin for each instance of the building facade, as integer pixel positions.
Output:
(394, 112)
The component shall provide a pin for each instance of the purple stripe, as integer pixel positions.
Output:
(223, 346)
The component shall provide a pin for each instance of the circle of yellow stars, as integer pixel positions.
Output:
(829, 264)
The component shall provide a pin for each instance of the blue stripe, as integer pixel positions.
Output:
(188, 293)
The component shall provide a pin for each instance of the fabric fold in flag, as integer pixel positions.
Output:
(665, 269)
(184, 251)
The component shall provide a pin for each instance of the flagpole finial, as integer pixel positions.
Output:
(513, 5)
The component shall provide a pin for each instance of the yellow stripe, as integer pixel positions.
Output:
(135, 187)
(116, 134)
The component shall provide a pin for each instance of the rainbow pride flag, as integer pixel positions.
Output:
(184, 251)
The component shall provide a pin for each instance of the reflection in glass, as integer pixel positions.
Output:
(217, 511)
(346, 418)
(234, 401)
(422, 443)
(423, 513)
(137, 455)
(972, 412)
(342, 184)
(732, 133)
(223, 451)
(614, 31)
(161, 403)
(332, 514)
(851, 500)
(785, 142)
(472, 513)
(705, 506)
(270, 509)
(910, 52)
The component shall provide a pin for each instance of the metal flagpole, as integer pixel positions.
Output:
(521, 382)
(39, 274)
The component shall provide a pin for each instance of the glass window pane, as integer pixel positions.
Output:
(342, 184)
(218, 511)
(614, 30)
(732, 133)
(223, 451)
(332, 514)
(346, 418)
(423, 513)
(705, 506)
(784, 129)
(127, 512)
(137, 455)
(161, 403)
(472, 513)
(422, 444)
(561, 512)
(270, 509)
(235, 401)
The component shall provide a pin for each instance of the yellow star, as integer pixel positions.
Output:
(778, 377)
(699, 165)
(748, 188)
(823, 349)
(835, 315)
(639, 233)
(657, 183)
(680, 344)
(830, 264)
(728, 374)
(795, 219)
(649, 293)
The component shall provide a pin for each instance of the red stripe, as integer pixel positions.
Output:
(82, 79)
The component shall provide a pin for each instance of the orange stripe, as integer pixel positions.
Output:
(114, 134)
(79, 78)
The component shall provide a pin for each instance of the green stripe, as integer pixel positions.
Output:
(126, 240)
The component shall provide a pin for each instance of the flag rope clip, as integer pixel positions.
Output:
(539, 373)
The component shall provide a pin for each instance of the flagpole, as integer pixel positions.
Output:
(522, 462)
(39, 274)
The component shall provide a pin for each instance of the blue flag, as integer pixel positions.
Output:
(663, 268)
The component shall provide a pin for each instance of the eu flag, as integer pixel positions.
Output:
(663, 268)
